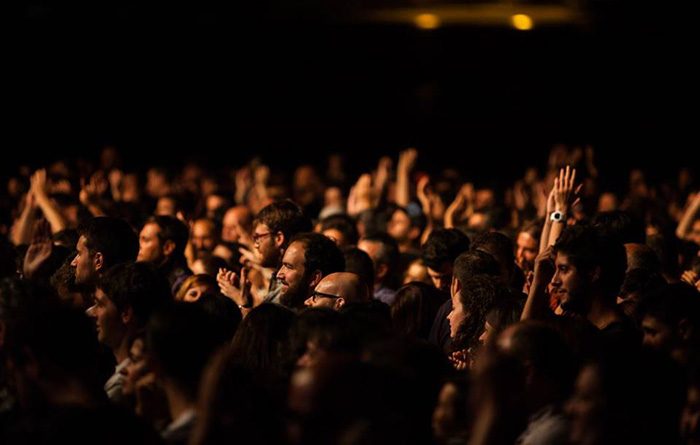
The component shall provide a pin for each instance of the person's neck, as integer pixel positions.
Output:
(121, 352)
(602, 314)
(178, 401)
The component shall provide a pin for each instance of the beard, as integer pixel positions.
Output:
(295, 296)
(575, 303)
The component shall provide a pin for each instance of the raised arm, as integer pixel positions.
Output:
(689, 215)
(92, 194)
(360, 197)
(21, 232)
(544, 238)
(565, 192)
(461, 207)
(407, 159)
(51, 213)
(427, 201)
(537, 304)
(381, 181)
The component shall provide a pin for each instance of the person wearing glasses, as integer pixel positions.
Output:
(337, 289)
(309, 258)
(273, 228)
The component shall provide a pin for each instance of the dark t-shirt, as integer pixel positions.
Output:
(440, 332)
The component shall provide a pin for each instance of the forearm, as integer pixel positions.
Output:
(686, 221)
(537, 303)
(22, 229)
(52, 215)
(402, 187)
(544, 238)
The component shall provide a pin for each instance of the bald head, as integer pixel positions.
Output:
(337, 289)
(237, 224)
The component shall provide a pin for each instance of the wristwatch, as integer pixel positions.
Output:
(557, 216)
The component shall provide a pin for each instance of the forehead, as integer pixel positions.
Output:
(562, 259)
(370, 247)
(525, 239)
(651, 322)
(327, 285)
(261, 228)
(150, 229)
(399, 215)
(202, 226)
(294, 253)
(82, 243)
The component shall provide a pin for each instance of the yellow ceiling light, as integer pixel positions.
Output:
(521, 22)
(427, 21)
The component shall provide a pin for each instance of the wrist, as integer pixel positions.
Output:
(558, 216)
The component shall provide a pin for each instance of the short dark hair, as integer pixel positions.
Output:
(320, 253)
(641, 256)
(498, 245)
(342, 223)
(475, 262)
(586, 248)
(641, 281)
(621, 225)
(443, 246)
(283, 216)
(136, 285)
(359, 262)
(389, 253)
(112, 237)
(416, 218)
(171, 229)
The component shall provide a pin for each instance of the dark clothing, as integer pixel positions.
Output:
(176, 273)
(440, 332)
(105, 424)
(620, 335)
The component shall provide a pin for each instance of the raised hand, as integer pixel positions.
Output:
(39, 250)
(360, 197)
(407, 159)
(564, 187)
(461, 206)
(423, 194)
(236, 287)
(38, 185)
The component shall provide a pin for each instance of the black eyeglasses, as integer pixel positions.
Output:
(321, 294)
(258, 236)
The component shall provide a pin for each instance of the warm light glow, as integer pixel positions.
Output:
(522, 22)
(427, 21)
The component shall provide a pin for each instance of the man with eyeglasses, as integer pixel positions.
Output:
(274, 227)
(337, 289)
(309, 258)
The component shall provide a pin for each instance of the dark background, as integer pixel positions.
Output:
(165, 81)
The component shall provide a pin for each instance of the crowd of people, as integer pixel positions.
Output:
(183, 305)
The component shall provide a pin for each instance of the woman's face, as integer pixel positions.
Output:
(488, 332)
(136, 367)
(457, 316)
(193, 293)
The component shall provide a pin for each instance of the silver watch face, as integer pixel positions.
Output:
(557, 216)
